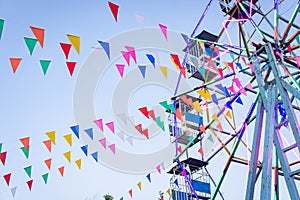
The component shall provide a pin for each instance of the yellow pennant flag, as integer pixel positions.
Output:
(202, 45)
(226, 65)
(78, 163)
(228, 114)
(205, 94)
(196, 106)
(68, 155)
(140, 185)
(164, 70)
(75, 40)
(169, 192)
(215, 117)
(51, 136)
(68, 138)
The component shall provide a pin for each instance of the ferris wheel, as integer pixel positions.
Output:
(246, 107)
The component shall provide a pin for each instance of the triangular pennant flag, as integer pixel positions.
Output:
(237, 82)
(197, 107)
(1, 27)
(158, 169)
(66, 49)
(39, 34)
(121, 198)
(142, 70)
(228, 105)
(249, 86)
(151, 59)
(239, 100)
(160, 123)
(71, 67)
(298, 61)
(164, 70)
(75, 130)
(240, 67)
(28, 170)
(175, 60)
(0, 147)
(149, 177)
(139, 184)
(112, 147)
(30, 42)
(25, 151)
(48, 143)
(126, 56)
(68, 156)
(61, 170)
(29, 183)
(25, 142)
(13, 191)
(205, 94)
(163, 28)
(144, 111)
(114, 9)
(111, 126)
(203, 72)
(130, 140)
(169, 192)
(130, 193)
(95, 156)
(210, 138)
(186, 38)
(105, 46)
(178, 114)
(121, 135)
(78, 163)
(103, 142)
(75, 41)
(201, 151)
(51, 136)
(219, 126)
(231, 89)
(151, 114)
(45, 177)
(68, 138)
(220, 70)
(120, 68)
(85, 149)
(228, 114)
(140, 19)
(215, 99)
(7, 178)
(179, 149)
(15, 62)
(298, 39)
(230, 64)
(176, 182)
(45, 65)
(89, 132)
(131, 51)
(48, 163)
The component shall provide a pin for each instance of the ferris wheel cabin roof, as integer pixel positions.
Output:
(193, 163)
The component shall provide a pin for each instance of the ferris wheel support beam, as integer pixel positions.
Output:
(287, 29)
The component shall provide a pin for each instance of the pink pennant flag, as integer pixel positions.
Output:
(131, 50)
(237, 82)
(126, 56)
(103, 142)
(230, 64)
(243, 91)
(164, 30)
(252, 68)
(120, 68)
(112, 147)
(99, 123)
(289, 49)
(111, 126)
(231, 89)
(249, 86)
(158, 169)
(298, 61)
(183, 172)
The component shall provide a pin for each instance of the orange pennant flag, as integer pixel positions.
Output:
(61, 170)
(228, 114)
(25, 142)
(48, 163)
(178, 114)
(15, 63)
(219, 126)
(48, 144)
(39, 34)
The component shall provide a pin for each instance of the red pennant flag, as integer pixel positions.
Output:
(48, 144)
(71, 67)
(66, 49)
(39, 34)
(220, 70)
(176, 60)
(201, 151)
(25, 142)
(182, 69)
(29, 183)
(7, 178)
(3, 157)
(151, 114)
(15, 63)
(179, 149)
(61, 170)
(145, 133)
(130, 192)
(178, 114)
(144, 111)
(114, 9)
(48, 163)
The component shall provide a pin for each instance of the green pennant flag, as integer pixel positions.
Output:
(0, 147)
(210, 138)
(45, 177)
(1, 27)
(231, 55)
(26, 153)
(191, 139)
(202, 72)
(298, 39)
(30, 42)
(45, 64)
(28, 170)
(160, 123)
(121, 198)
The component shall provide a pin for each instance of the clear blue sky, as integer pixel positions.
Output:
(33, 104)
